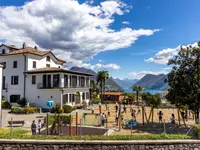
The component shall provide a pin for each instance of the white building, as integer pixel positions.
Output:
(39, 76)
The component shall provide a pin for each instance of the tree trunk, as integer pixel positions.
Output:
(143, 115)
(178, 117)
(152, 114)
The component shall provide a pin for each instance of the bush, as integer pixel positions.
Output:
(96, 101)
(67, 109)
(25, 110)
(196, 131)
(22, 102)
(5, 104)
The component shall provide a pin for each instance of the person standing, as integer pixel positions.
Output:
(100, 107)
(160, 115)
(92, 109)
(33, 128)
(103, 119)
(39, 126)
(124, 108)
(173, 119)
(108, 111)
(116, 107)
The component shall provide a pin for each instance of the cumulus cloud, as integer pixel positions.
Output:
(139, 75)
(100, 60)
(100, 66)
(75, 32)
(126, 22)
(163, 56)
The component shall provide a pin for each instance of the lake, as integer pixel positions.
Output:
(150, 91)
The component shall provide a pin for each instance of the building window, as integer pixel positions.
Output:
(14, 98)
(56, 80)
(4, 65)
(34, 64)
(48, 58)
(14, 80)
(3, 51)
(33, 79)
(87, 95)
(65, 80)
(14, 64)
(83, 96)
(4, 82)
(48, 65)
(65, 99)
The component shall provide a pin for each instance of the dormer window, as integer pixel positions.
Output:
(48, 58)
(3, 51)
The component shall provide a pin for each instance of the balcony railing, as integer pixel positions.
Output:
(49, 86)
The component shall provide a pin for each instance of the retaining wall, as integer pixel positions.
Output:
(99, 145)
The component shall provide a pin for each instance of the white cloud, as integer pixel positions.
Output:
(126, 22)
(100, 60)
(100, 66)
(139, 75)
(163, 56)
(75, 32)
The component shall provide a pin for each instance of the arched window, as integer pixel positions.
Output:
(48, 58)
(3, 51)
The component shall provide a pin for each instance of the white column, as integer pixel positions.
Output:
(1, 76)
(68, 80)
(61, 100)
(85, 81)
(81, 98)
(77, 81)
(62, 80)
(68, 98)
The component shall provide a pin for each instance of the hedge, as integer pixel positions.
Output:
(196, 131)
(23, 110)
(22, 134)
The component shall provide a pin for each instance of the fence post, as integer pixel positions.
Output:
(59, 124)
(47, 121)
(80, 129)
(164, 130)
(131, 127)
(76, 123)
(70, 125)
(107, 128)
(11, 126)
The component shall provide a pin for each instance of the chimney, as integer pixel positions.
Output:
(24, 45)
(36, 47)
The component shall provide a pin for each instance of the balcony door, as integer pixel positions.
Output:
(56, 80)
(44, 81)
(48, 81)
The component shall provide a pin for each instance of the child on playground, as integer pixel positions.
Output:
(39, 126)
(133, 115)
(99, 107)
(160, 115)
(103, 119)
(116, 107)
(108, 111)
(173, 119)
(92, 109)
(124, 108)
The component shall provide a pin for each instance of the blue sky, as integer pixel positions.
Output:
(178, 21)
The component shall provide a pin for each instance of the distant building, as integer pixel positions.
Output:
(38, 76)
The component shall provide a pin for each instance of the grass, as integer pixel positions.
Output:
(20, 133)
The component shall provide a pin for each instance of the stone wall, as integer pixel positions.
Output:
(99, 145)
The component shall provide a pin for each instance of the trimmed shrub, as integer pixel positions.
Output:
(196, 131)
(25, 110)
(67, 109)
(5, 104)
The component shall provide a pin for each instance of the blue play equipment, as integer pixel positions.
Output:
(49, 103)
(131, 123)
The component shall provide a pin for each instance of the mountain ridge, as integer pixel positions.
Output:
(153, 82)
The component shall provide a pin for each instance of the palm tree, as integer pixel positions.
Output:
(137, 89)
(101, 79)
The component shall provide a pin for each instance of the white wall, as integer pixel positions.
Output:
(3, 47)
(10, 71)
(41, 62)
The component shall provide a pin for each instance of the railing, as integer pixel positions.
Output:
(48, 86)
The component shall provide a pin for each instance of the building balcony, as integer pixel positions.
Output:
(48, 86)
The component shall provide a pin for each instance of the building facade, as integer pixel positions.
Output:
(39, 76)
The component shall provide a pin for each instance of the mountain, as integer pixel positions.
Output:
(110, 86)
(84, 70)
(153, 82)
(125, 83)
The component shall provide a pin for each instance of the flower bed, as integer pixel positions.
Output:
(23, 110)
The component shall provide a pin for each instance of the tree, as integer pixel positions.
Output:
(183, 80)
(101, 79)
(152, 100)
(137, 89)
